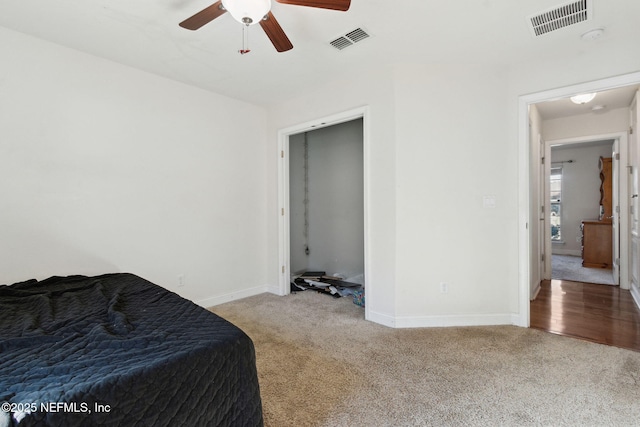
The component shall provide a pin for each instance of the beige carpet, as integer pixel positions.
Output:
(321, 364)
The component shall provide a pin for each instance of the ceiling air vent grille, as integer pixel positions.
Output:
(349, 39)
(560, 17)
(341, 42)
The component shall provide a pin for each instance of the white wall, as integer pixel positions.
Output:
(580, 190)
(450, 155)
(335, 200)
(607, 122)
(107, 169)
(440, 161)
(450, 133)
(298, 259)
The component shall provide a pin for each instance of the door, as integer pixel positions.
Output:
(634, 206)
(546, 209)
(615, 210)
(542, 207)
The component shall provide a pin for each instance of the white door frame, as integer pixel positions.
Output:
(284, 252)
(525, 216)
(622, 198)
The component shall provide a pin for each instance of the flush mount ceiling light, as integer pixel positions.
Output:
(583, 98)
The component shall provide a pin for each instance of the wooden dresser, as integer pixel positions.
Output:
(597, 244)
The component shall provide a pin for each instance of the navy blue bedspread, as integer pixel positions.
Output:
(118, 350)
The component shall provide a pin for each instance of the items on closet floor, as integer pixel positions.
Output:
(331, 285)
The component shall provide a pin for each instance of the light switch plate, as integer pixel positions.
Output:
(489, 202)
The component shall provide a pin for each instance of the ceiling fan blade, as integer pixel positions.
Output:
(342, 5)
(275, 33)
(204, 16)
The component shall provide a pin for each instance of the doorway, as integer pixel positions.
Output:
(577, 182)
(529, 261)
(284, 188)
(620, 222)
(326, 211)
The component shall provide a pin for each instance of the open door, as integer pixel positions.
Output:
(634, 220)
(546, 210)
(615, 211)
(542, 208)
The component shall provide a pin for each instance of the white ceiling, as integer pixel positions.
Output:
(145, 34)
(603, 102)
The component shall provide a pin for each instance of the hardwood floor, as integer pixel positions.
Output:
(597, 313)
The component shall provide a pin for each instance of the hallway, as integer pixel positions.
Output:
(597, 313)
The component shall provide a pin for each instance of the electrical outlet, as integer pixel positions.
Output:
(180, 279)
(444, 288)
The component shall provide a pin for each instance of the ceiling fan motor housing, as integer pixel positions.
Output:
(248, 12)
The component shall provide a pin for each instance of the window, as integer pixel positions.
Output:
(556, 204)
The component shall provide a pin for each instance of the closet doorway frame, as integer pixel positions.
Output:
(284, 222)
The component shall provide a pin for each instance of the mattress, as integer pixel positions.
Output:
(119, 350)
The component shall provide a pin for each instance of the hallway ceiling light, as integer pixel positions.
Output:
(583, 98)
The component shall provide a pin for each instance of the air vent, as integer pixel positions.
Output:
(560, 17)
(341, 42)
(349, 39)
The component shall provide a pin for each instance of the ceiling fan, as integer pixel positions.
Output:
(250, 12)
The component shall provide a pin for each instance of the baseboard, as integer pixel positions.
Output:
(453, 320)
(233, 296)
(274, 290)
(442, 321)
(635, 293)
(536, 291)
(519, 320)
(381, 318)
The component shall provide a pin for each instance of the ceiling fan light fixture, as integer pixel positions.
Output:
(247, 12)
(583, 98)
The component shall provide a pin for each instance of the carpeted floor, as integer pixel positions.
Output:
(321, 364)
(567, 267)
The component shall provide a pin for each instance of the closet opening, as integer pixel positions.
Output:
(286, 266)
(326, 210)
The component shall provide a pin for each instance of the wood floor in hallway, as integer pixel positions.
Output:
(598, 313)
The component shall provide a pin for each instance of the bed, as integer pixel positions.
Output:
(119, 350)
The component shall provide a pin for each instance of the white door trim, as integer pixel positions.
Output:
(524, 177)
(284, 268)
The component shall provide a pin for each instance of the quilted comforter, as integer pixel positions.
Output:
(118, 350)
